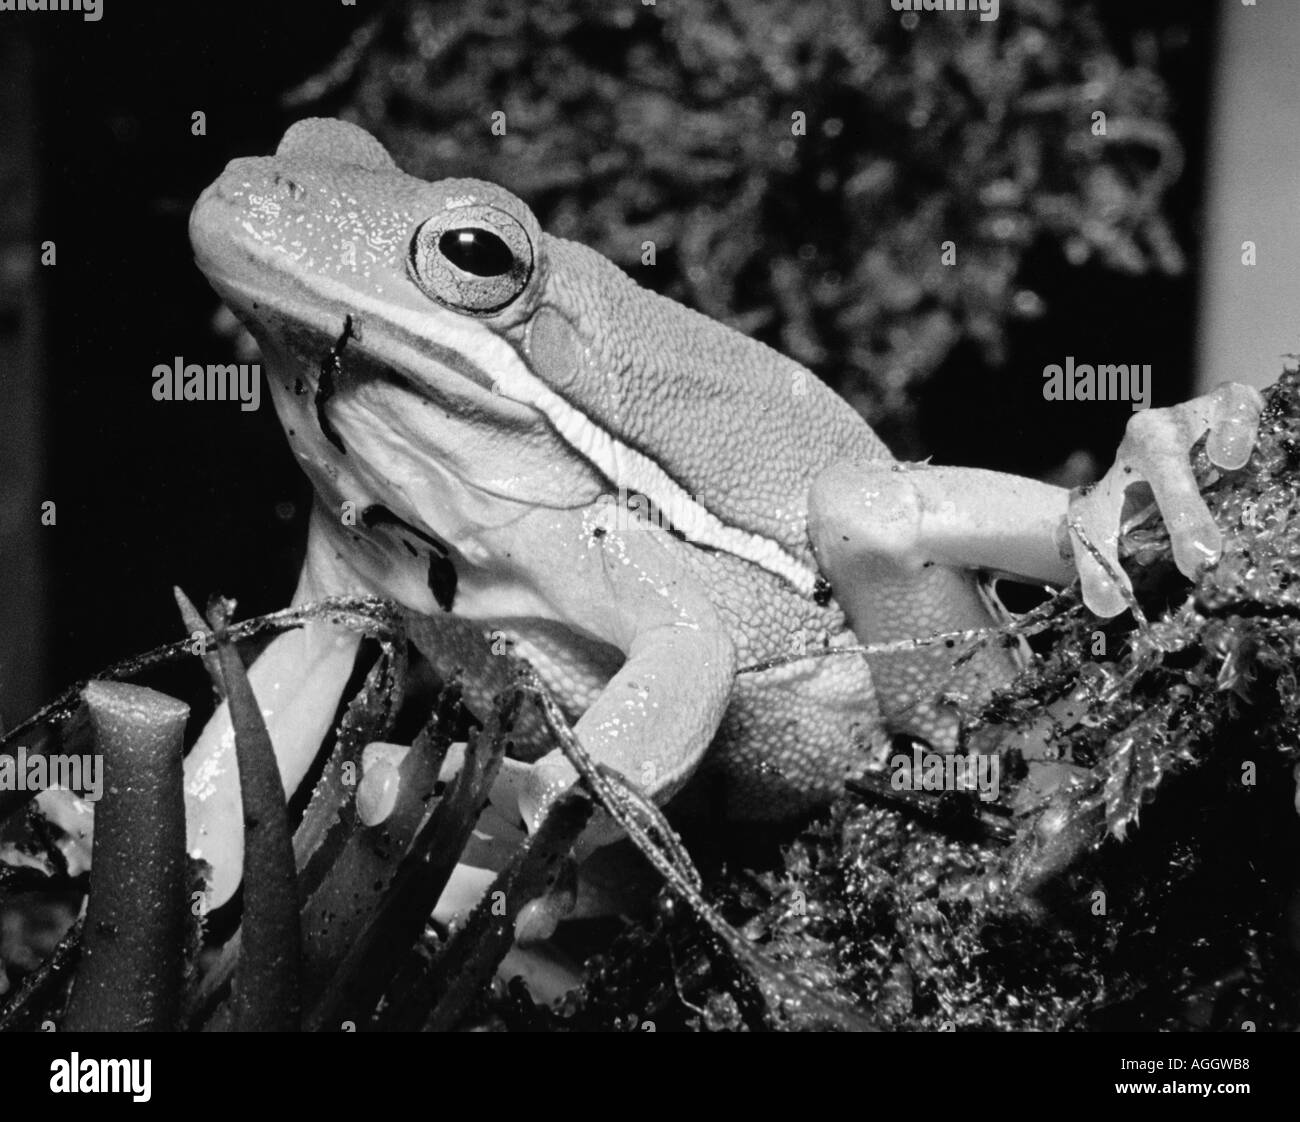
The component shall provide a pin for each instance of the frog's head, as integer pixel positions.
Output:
(486, 354)
(328, 248)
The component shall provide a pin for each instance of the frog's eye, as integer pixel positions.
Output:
(474, 259)
(476, 251)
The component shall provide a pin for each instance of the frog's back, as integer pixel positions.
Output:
(741, 427)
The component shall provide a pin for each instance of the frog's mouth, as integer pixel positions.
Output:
(318, 325)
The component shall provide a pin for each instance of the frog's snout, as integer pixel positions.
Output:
(251, 189)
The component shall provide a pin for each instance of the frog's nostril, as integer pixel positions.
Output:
(287, 187)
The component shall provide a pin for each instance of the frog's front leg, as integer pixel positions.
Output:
(898, 543)
(655, 718)
(298, 681)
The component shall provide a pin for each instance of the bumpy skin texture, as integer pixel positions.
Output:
(742, 428)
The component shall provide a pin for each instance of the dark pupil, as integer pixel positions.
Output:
(476, 251)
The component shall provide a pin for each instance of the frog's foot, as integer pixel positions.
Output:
(1155, 451)
(545, 782)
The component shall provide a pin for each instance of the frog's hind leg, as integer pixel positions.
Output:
(901, 546)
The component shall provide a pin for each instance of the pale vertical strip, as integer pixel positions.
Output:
(1250, 317)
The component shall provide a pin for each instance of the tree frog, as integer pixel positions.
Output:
(502, 425)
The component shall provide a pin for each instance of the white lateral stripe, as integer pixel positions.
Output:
(636, 472)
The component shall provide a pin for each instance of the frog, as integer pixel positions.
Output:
(685, 533)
